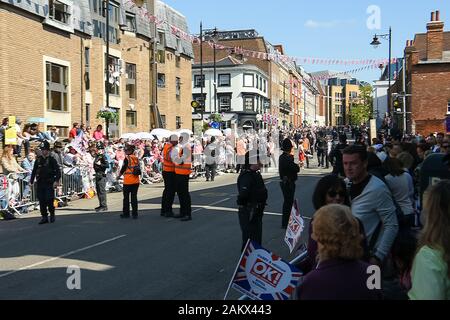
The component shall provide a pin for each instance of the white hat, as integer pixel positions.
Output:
(174, 138)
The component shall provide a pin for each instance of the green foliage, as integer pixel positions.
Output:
(216, 118)
(362, 111)
(111, 116)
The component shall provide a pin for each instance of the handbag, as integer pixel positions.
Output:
(135, 170)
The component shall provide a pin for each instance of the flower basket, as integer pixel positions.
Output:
(108, 114)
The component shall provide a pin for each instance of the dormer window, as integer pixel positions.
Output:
(59, 11)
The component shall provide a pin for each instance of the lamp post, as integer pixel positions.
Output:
(214, 37)
(107, 85)
(375, 43)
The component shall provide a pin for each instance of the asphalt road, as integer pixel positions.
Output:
(150, 258)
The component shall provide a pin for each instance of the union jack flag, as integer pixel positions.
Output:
(262, 275)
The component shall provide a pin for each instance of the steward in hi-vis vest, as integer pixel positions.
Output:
(183, 169)
(169, 178)
(131, 172)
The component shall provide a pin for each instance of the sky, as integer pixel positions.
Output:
(320, 29)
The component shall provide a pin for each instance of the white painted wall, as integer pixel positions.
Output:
(236, 88)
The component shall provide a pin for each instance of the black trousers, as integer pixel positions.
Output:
(46, 197)
(321, 157)
(132, 190)
(250, 221)
(100, 186)
(210, 171)
(288, 189)
(182, 184)
(168, 193)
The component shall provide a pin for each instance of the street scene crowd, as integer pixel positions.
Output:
(372, 209)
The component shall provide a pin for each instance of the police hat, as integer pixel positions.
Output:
(58, 144)
(44, 146)
(287, 145)
(100, 145)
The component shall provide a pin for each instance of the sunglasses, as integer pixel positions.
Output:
(334, 193)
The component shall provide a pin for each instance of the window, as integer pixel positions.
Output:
(248, 80)
(448, 107)
(60, 131)
(198, 98)
(113, 75)
(87, 63)
(131, 118)
(177, 61)
(224, 80)
(161, 80)
(199, 81)
(177, 87)
(265, 86)
(131, 81)
(161, 39)
(260, 84)
(249, 103)
(178, 122)
(161, 57)
(225, 103)
(88, 114)
(59, 11)
(163, 121)
(131, 22)
(257, 78)
(56, 82)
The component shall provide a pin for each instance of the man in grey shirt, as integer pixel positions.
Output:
(372, 204)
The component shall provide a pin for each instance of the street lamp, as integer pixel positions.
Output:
(376, 43)
(107, 85)
(215, 39)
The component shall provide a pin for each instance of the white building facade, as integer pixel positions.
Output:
(240, 94)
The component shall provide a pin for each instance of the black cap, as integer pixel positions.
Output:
(100, 145)
(287, 145)
(58, 144)
(44, 146)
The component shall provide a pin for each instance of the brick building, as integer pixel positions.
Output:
(427, 79)
(284, 97)
(55, 68)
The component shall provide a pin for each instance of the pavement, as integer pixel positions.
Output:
(149, 258)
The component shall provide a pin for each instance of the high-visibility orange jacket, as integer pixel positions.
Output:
(185, 168)
(129, 178)
(168, 165)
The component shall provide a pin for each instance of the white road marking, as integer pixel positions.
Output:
(212, 204)
(62, 256)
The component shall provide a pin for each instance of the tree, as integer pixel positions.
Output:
(362, 111)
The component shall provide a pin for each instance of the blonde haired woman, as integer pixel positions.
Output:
(431, 272)
(340, 274)
(9, 162)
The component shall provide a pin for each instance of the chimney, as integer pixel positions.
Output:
(435, 37)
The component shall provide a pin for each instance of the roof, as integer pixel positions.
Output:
(228, 61)
(174, 18)
(81, 12)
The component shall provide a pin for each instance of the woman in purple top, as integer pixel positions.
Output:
(340, 274)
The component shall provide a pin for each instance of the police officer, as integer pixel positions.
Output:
(182, 157)
(100, 167)
(47, 174)
(169, 178)
(252, 197)
(288, 174)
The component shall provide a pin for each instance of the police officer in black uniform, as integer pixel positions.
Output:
(252, 199)
(47, 174)
(288, 175)
(100, 167)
